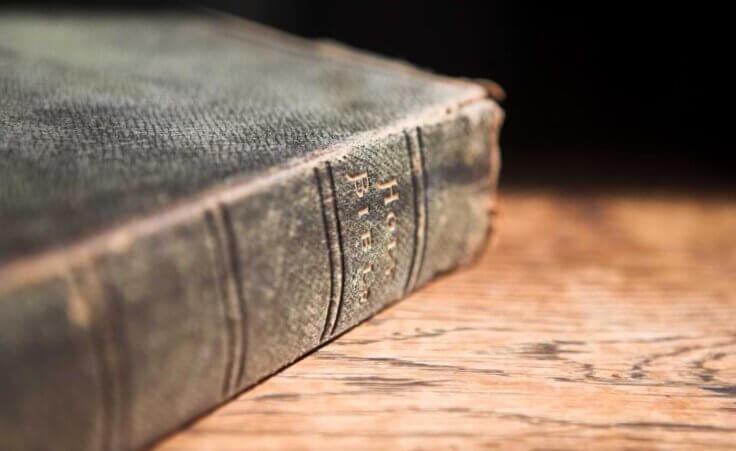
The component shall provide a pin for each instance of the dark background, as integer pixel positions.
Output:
(611, 95)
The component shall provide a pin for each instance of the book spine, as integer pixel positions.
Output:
(112, 351)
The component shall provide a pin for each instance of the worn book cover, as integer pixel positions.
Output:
(190, 202)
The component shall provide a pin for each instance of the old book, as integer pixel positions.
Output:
(190, 202)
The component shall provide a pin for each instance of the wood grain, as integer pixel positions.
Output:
(606, 320)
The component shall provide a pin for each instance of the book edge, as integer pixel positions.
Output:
(120, 236)
(339, 51)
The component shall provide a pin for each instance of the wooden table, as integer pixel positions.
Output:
(596, 319)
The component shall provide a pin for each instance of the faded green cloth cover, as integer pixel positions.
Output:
(190, 202)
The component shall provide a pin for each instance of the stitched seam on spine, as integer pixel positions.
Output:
(340, 247)
(235, 268)
(425, 200)
(97, 341)
(328, 242)
(414, 172)
(416, 211)
(122, 373)
(224, 278)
